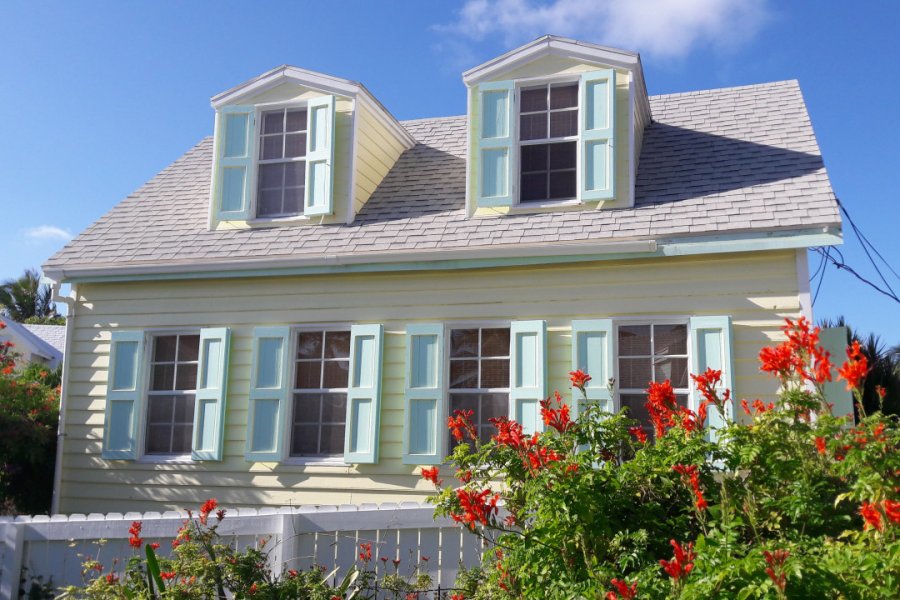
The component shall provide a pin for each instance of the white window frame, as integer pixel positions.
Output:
(518, 143)
(259, 109)
(141, 441)
(448, 329)
(661, 320)
(287, 459)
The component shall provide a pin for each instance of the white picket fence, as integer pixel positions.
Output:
(297, 537)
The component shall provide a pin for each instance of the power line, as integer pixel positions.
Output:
(822, 264)
(866, 244)
(840, 264)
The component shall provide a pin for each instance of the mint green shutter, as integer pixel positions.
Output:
(320, 157)
(212, 388)
(364, 395)
(123, 395)
(269, 383)
(528, 373)
(597, 163)
(592, 353)
(711, 349)
(494, 148)
(424, 394)
(233, 162)
(835, 340)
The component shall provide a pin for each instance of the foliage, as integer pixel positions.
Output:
(25, 297)
(202, 564)
(29, 415)
(48, 320)
(791, 502)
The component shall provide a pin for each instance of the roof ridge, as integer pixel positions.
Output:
(419, 120)
(733, 88)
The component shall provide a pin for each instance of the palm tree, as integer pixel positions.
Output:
(884, 368)
(25, 298)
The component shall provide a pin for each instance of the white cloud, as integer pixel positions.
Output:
(43, 233)
(663, 28)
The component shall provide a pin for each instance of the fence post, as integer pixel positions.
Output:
(11, 567)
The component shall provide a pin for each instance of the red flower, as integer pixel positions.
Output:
(557, 419)
(820, 445)
(625, 592)
(432, 476)
(855, 369)
(879, 389)
(461, 423)
(892, 510)
(682, 563)
(135, 541)
(872, 517)
(691, 475)
(477, 507)
(579, 379)
(220, 514)
(458, 597)
(112, 578)
(396, 562)
(639, 434)
(796, 355)
(154, 545)
(253, 589)
(167, 575)
(292, 573)
(509, 433)
(208, 506)
(661, 405)
(775, 569)
(366, 552)
(464, 476)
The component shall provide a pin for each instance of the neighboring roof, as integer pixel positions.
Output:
(54, 335)
(37, 345)
(714, 163)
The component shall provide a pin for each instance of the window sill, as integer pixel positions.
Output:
(167, 459)
(527, 206)
(276, 221)
(315, 462)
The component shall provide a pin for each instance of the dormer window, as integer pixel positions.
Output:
(548, 137)
(281, 179)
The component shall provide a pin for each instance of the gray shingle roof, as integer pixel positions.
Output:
(54, 335)
(715, 161)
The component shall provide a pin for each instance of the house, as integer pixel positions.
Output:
(43, 344)
(288, 313)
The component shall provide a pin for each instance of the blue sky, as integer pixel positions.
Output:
(100, 96)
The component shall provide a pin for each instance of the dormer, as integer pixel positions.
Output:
(554, 125)
(296, 147)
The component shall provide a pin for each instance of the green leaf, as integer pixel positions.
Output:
(153, 573)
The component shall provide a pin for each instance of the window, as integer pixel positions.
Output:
(173, 385)
(320, 393)
(282, 162)
(548, 134)
(651, 352)
(479, 375)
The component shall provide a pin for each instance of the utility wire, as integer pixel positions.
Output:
(840, 264)
(864, 242)
(822, 265)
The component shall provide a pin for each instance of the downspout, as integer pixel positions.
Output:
(70, 303)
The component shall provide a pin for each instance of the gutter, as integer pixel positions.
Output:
(70, 303)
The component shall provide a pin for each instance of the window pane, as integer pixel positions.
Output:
(533, 127)
(493, 406)
(273, 121)
(296, 120)
(337, 344)
(309, 344)
(188, 347)
(307, 408)
(562, 155)
(564, 96)
(295, 145)
(181, 439)
(309, 375)
(159, 439)
(634, 340)
(164, 348)
(163, 378)
(675, 369)
(495, 342)
(336, 373)
(495, 373)
(271, 176)
(463, 373)
(269, 203)
(271, 147)
(634, 373)
(534, 99)
(160, 410)
(304, 440)
(186, 377)
(334, 408)
(564, 123)
(637, 409)
(184, 409)
(464, 402)
(463, 343)
(562, 185)
(295, 174)
(534, 187)
(534, 158)
(332, 442)
(293, 198)
(670, 339)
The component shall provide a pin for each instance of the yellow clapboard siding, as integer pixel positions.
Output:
(377, 149)
(757, 289)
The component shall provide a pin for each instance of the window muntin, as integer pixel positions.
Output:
(479, 375)
(281, 176)
(170, 399)
(322, 368)
(651, 352)
(548, 133)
